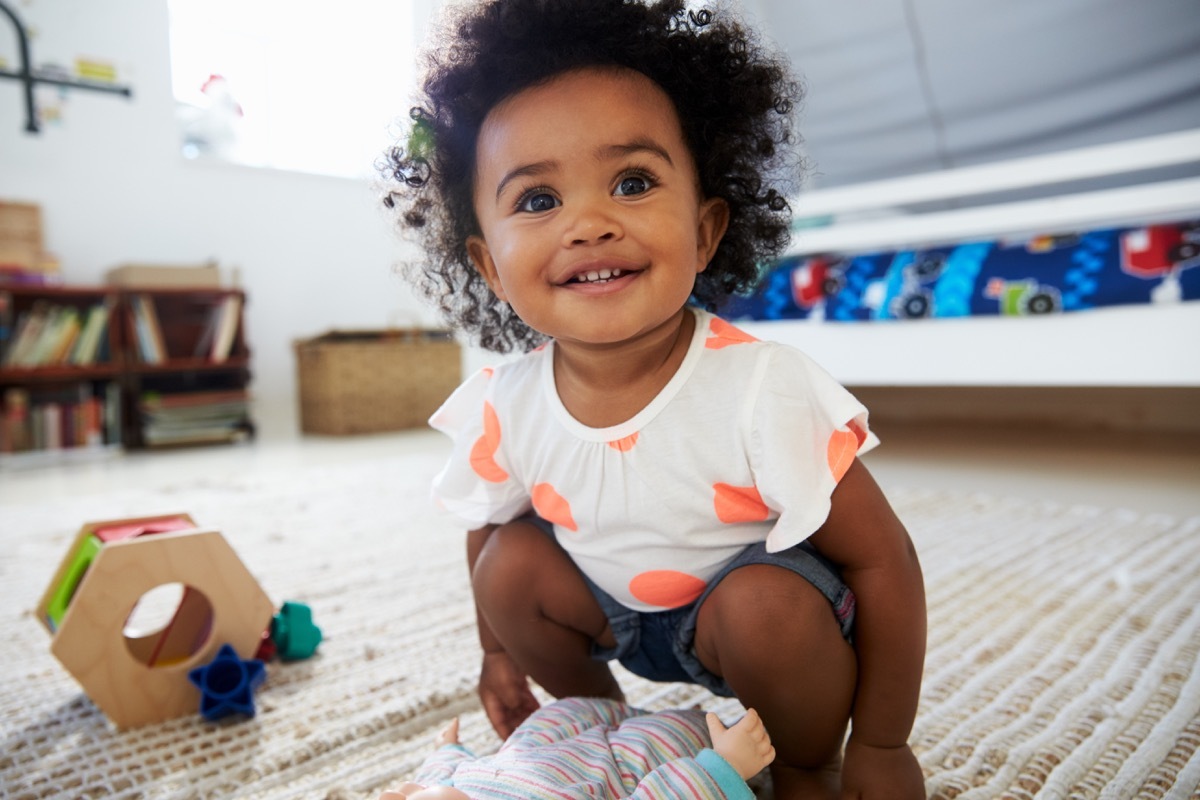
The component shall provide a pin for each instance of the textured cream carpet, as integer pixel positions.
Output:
(1062, 656)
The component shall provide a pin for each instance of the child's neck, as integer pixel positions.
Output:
(605, 386)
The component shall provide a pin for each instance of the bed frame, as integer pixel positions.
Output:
(1127, 346)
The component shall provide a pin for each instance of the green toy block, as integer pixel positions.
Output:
(83, 557)
(293, 631)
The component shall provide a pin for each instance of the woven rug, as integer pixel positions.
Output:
(1062, 659)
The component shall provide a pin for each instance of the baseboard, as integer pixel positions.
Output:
(1148, 409)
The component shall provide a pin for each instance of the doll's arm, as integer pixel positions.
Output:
(878, 562)
(738, 753)
(706, 775)
(442, 763)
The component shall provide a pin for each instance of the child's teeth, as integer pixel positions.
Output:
(601, 275)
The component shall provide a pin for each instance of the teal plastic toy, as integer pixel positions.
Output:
(293, 631)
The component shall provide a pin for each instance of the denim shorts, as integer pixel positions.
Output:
(660, 645)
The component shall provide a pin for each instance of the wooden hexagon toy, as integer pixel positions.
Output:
(205, 598)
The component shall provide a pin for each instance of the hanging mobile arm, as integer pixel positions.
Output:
(28, 79)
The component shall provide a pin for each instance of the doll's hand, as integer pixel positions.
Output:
(448, 734)
(505, 693)
(886, 773)
(746, 746)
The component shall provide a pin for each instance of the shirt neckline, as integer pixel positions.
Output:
(641, 419)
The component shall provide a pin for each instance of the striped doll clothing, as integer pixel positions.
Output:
(587, 748)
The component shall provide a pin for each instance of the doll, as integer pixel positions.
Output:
(599, 748)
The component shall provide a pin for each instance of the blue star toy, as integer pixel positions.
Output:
(227, 684)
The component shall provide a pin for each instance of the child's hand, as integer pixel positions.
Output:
(505, 693)
(746, 746)
(889, 773)
(448, 734)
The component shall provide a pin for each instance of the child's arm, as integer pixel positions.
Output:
(503, 686)
(865, 538)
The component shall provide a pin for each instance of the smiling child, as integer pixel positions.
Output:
(646, 482)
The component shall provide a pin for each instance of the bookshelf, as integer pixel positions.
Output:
(96, 369)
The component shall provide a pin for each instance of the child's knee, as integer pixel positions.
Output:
(508, 560)
(761, 607)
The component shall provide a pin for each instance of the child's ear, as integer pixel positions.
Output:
(481, 258)
(714, 219)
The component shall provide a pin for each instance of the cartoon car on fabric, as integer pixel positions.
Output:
(1156, 250)
(814, 279)
(1024, 297)
(915, 301)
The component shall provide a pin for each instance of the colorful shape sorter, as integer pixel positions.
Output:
(138, 677)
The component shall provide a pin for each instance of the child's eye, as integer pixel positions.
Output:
(633, 184)
(536, 201)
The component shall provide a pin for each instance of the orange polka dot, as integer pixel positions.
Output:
(722, 334)
(843, 447)
(483, 452)
(739, 503)
(624, 444)
(666, 588)
(488, 371)
(552, 506)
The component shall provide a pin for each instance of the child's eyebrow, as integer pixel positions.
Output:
(635, 146)
(536, 168)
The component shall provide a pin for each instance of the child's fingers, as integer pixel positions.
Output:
(715, 726)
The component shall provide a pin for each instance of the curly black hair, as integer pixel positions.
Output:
(734, 99)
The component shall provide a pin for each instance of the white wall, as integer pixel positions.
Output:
(313, 252)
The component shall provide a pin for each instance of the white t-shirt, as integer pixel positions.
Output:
(745, 443)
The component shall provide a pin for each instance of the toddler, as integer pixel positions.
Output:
(645, 482)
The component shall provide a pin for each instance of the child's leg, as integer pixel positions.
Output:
(536, 602)
(773, 637)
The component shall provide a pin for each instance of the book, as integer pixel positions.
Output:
(6, 321)
(226, 328)
(112, 422)
(65, 333)
(149, 334)
(47, 337)
(194, 417)
(95, 326)
(15, 428)
(29, 331)
(182, 276)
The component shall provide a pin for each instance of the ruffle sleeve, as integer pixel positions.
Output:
(807, 429)
(476, 487)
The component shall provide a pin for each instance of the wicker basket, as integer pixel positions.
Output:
(371, 381)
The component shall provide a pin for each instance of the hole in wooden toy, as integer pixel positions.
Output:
(168, 625)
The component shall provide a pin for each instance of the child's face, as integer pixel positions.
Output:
(593, 227)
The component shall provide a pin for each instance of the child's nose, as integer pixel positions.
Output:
(592, 223)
